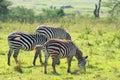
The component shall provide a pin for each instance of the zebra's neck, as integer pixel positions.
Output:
(78, 55)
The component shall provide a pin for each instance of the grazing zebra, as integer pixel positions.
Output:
(58, 48)
(51, 32)
(27, 42)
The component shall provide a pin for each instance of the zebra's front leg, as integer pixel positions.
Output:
(69, 59)
(9, 55)
(16, 52)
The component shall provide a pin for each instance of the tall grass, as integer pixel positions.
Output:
(97, 38)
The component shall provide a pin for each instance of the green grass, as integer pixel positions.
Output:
(97, 38)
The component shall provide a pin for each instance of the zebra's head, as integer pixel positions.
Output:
(81, 59)
(82, 63)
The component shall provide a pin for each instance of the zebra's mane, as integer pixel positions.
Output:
(44, 26)
(79, 53)
(61, 40)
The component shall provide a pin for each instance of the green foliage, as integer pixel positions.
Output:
(4, 4)
(21, 14)
(51, 14)
(114, 6)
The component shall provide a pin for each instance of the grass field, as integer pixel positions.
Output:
(97, 38)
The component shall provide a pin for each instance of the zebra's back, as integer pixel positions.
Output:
(21, 40)
(63, 48)
(51, 32)
(25, 41)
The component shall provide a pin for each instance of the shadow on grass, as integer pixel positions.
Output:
(18, 69)
(52, 73)
(32, 66)
(92, 67)
(78, 72)
(27, 66)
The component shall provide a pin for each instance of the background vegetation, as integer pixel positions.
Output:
(98, 38)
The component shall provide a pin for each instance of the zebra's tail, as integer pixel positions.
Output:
(14, 37)
(36, 47)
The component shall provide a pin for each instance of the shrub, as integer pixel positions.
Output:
(51, 15)
(21, 14)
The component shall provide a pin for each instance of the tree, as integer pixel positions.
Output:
(4, 6)
(97, 9)
(4, 9)
(21, 14)
(114, 7)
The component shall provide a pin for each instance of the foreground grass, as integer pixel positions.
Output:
(99, 39)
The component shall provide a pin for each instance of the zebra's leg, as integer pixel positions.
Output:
(16, 52)
(69, 59)
(9, 55)
(46, 62)
(54, 59)
(58, 61)
(40, 57)
(38, 52)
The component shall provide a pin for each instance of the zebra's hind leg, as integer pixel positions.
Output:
(45, 64)
(16, 52)
(38, 52)
(9, 55)
(40, 57)
(58, 61)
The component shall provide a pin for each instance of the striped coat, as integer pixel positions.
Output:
(24, 41)
(51, 32)
(58, 48)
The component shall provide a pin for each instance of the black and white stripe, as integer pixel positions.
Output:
(58, 48)
(51, 32)
(27, 42)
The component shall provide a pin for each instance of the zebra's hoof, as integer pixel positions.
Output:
(58, 63)
(8, 64)
(34, 64)
(55, 73)
(42, 64)
(68, 71)
(45, 72)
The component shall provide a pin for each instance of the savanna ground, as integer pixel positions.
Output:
(97, 38)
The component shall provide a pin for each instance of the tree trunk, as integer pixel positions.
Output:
(97, 10)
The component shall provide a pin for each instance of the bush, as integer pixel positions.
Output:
(21, 14)
(53, 13)
(50, 14)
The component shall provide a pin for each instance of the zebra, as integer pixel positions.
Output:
(59, 48)
(26, 42)
(51, 32)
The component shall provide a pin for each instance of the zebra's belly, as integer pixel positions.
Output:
(27, 48)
